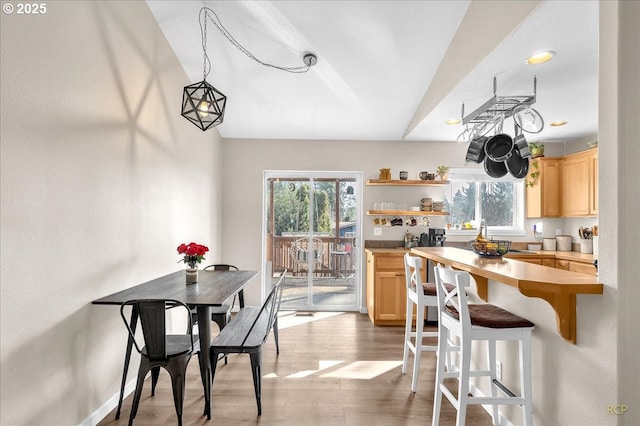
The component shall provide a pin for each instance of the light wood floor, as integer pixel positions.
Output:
(333, 369)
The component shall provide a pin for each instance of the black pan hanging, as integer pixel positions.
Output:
(495, 169)
(518, 167)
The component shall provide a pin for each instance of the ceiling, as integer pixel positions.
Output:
(389, 70)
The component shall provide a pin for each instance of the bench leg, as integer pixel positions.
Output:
(275, 334)
(256, 370)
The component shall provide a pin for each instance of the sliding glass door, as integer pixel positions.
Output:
(311, 230)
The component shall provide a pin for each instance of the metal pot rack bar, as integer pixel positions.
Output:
(498, 106)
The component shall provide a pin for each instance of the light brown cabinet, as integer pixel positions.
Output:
(564, 187)
(535, 260)
(575, 185)
(543, 197)
(593, 182)
(580, 184)
(568, 265)
(581, 267)
(386, 288)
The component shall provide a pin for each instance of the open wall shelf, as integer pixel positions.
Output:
(378, 182)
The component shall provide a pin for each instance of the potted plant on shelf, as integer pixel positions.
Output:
(441, 171)
(537, 149)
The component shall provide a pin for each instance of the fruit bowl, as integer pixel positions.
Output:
(490, 248)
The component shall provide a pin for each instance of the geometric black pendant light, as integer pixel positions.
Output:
(203, 104)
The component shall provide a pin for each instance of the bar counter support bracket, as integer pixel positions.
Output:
(564, 306)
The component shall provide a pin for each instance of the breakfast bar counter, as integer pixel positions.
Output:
(558, 287)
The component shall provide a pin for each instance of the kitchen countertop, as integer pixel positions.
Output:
(558, 287)
(565, 255)
(388, 250)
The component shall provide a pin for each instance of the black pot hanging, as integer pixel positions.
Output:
(499, 147)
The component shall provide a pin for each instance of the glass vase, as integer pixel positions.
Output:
(191, 275)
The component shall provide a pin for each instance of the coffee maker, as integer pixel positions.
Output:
(435, 238)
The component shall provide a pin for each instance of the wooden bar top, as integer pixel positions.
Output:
(558, 287)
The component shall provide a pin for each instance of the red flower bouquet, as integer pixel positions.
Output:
(193, 253)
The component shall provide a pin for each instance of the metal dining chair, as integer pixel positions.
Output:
(161, 349)
(222, 314)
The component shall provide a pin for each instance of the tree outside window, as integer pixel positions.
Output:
(499, 203)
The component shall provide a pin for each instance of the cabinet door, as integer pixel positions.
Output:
(576, 185)
(543, 197)
(583, 268)
(549, 262)
(562, 264)
(593, 207)
(390, 296)
(371, 277)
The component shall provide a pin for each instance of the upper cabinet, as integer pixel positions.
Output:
(563, 187)
(580, 184)
(593, 180)
(543, 187)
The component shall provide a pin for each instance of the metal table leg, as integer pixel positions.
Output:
(204, 333)
(133, 322)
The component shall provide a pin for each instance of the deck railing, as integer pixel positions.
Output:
(282, 256)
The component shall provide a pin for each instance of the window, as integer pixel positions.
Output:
(474, 196)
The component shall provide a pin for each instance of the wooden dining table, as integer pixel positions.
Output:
(213, 288)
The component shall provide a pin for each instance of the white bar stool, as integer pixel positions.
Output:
(422, 295)
(477, 322)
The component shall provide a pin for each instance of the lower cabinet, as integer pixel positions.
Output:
(538, 261)
(567, 265)
(581, 267)
(386, 288)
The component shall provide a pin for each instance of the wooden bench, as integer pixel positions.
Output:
(246, 333)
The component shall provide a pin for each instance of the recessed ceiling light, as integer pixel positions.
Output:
(558, 123)
(540, 58)
(453, 121)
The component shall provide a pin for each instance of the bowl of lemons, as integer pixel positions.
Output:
(490, 248)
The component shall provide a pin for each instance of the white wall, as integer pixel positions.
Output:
(620, 159)
(101, 180)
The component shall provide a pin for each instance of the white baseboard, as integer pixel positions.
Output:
(489, 408)
(104, 410)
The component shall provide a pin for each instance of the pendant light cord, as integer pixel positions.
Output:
(309, 59)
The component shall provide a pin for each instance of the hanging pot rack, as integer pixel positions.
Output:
(498, 106)
(500, 153)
